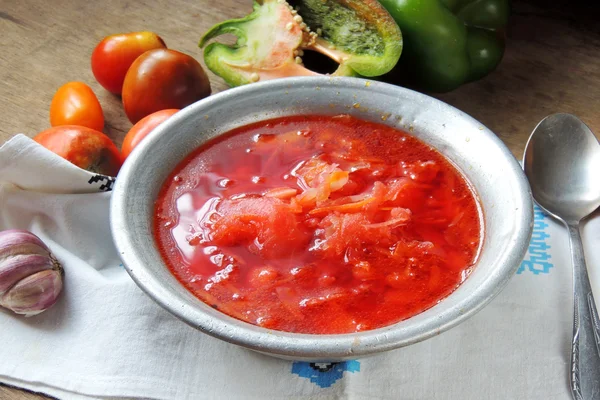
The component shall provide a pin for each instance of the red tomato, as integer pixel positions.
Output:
(161, 79)
(84, 147)
(114, 55)
(142, 129)
(75, 103)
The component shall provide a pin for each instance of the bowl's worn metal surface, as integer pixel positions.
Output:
(489, 166)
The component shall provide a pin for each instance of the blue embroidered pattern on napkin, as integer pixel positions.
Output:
(324, 374)
(537, 259)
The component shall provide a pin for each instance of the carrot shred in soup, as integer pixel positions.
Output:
(315, 224)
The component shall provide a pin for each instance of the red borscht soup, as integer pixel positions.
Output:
(315, 224)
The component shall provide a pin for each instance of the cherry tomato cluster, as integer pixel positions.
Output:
(154, 82)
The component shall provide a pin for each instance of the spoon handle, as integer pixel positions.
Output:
(585, 354)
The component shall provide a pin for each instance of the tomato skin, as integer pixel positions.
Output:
(75, 103)
(142, 128)
(161, 79)
(84, 147)
(113, 56)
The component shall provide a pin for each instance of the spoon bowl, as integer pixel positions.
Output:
(561, 160)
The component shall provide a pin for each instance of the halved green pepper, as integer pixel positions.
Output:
(360, 36)
(447, 42)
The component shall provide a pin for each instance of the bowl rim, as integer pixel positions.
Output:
(300, 346)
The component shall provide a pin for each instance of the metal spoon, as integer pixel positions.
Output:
(562, 163)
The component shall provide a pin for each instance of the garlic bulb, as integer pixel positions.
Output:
(30, 276)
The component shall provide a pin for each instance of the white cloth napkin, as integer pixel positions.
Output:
(106, 339)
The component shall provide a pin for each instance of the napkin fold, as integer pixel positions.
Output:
(106, 339)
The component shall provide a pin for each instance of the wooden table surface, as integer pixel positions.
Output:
(552, 63)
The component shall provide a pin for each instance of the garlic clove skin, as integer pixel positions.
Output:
(15, 268)
(34, 294)
(30, 276)
(18, 241)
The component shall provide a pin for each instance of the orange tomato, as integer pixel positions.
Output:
(142, 128)
(113, 56)
(75, 103)
(84, 147)
(160, 79)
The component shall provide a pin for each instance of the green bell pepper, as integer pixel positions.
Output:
(447, 42)
(359, 35)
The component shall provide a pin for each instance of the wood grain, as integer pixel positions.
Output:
(551, 64)
(12, 393)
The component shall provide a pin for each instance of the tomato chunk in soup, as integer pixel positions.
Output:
(316, 224)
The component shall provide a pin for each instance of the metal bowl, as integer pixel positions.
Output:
(475, 150)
